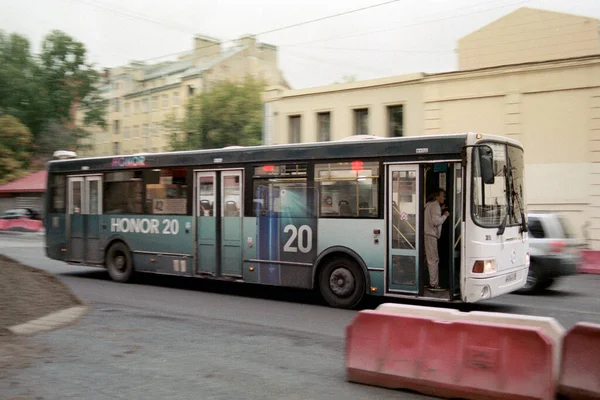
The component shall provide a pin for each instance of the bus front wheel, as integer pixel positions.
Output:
(342, 283)
(119, 262)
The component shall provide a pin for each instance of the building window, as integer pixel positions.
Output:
(176, 99)
(136, 106)
(154, 103)
(145, 105)
(191, 90)
(324, 126)
(165, 101)
(145, 130)
(154, 129)
(126, 132)
(295, 129)
(395, 121)
(361, 121)
(127, 108)
(116, 148)
(116, 127)
(117, 105)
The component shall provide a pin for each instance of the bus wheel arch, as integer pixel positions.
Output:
(341, 278)
(119, 261)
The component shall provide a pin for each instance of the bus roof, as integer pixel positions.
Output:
(402, 149)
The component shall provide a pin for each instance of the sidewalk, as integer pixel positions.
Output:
(33, 300)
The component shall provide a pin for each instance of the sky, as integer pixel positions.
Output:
(403, 36)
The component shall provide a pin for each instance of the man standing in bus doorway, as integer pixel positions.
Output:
(434, 219)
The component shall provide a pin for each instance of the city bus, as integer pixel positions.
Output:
(344, 218)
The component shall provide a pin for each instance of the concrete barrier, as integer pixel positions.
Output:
(580, 369)
(590, 262)
(549, 326)
(449, 358)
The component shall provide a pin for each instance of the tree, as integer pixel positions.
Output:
(55, 136)
(68, 80)
(228, 114)
(15, 145)
(20, 82)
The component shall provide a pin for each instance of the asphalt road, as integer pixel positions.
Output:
(166, 337)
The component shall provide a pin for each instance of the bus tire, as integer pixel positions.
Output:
(342, 283)
(119, 262)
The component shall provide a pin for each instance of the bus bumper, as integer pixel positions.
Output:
(494, 286)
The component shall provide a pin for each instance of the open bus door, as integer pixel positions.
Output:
(457, 230)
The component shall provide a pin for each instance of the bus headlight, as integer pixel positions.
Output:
(484, 266)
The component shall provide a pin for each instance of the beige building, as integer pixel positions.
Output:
(141, 97)
(532, 75)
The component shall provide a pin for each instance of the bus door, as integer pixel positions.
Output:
(457, 229)
(219, 213)
(403, 228)
(83, 219)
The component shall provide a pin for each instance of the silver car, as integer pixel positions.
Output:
(554, 251)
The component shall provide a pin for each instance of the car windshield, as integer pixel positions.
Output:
(502, 199)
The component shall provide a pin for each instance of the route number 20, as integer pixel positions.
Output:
(304, 236)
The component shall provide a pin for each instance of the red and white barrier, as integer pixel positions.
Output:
(590, 262)
(449, 358)
(21, 225)
(580, 371)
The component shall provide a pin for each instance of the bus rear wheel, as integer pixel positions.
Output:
(342, 283)
(119, 262)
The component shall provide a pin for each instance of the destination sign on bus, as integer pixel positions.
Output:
(129, 162)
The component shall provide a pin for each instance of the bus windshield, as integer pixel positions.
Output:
(502, 199)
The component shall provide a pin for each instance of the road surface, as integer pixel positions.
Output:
(167, 337)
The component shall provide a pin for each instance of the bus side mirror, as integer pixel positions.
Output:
(486, 162)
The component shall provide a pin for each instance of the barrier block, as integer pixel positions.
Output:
(590, 262)
(21, 225)
(549, 326)
(449, 358)
(580, 369)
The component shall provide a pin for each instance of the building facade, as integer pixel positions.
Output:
(142, 97)
(533, 75)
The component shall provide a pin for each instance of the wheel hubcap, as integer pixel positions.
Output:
(120, 262)
(342, 282)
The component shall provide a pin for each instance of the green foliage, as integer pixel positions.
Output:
(229, 114)
(66, 77)
(42, 91)
(15, 145)
(56, 136)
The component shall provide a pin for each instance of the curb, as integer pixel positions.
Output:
(51, 321)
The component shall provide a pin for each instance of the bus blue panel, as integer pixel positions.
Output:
(378, 282)
(93, 239)
(250, 251)
(207, 245)
(231, 250)
(75, 250)
(154, 235)
(356, 235)
(55, 236)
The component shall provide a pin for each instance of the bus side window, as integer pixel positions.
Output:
(231, 209)
(344, 209)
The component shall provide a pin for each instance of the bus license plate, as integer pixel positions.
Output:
(511, 277)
